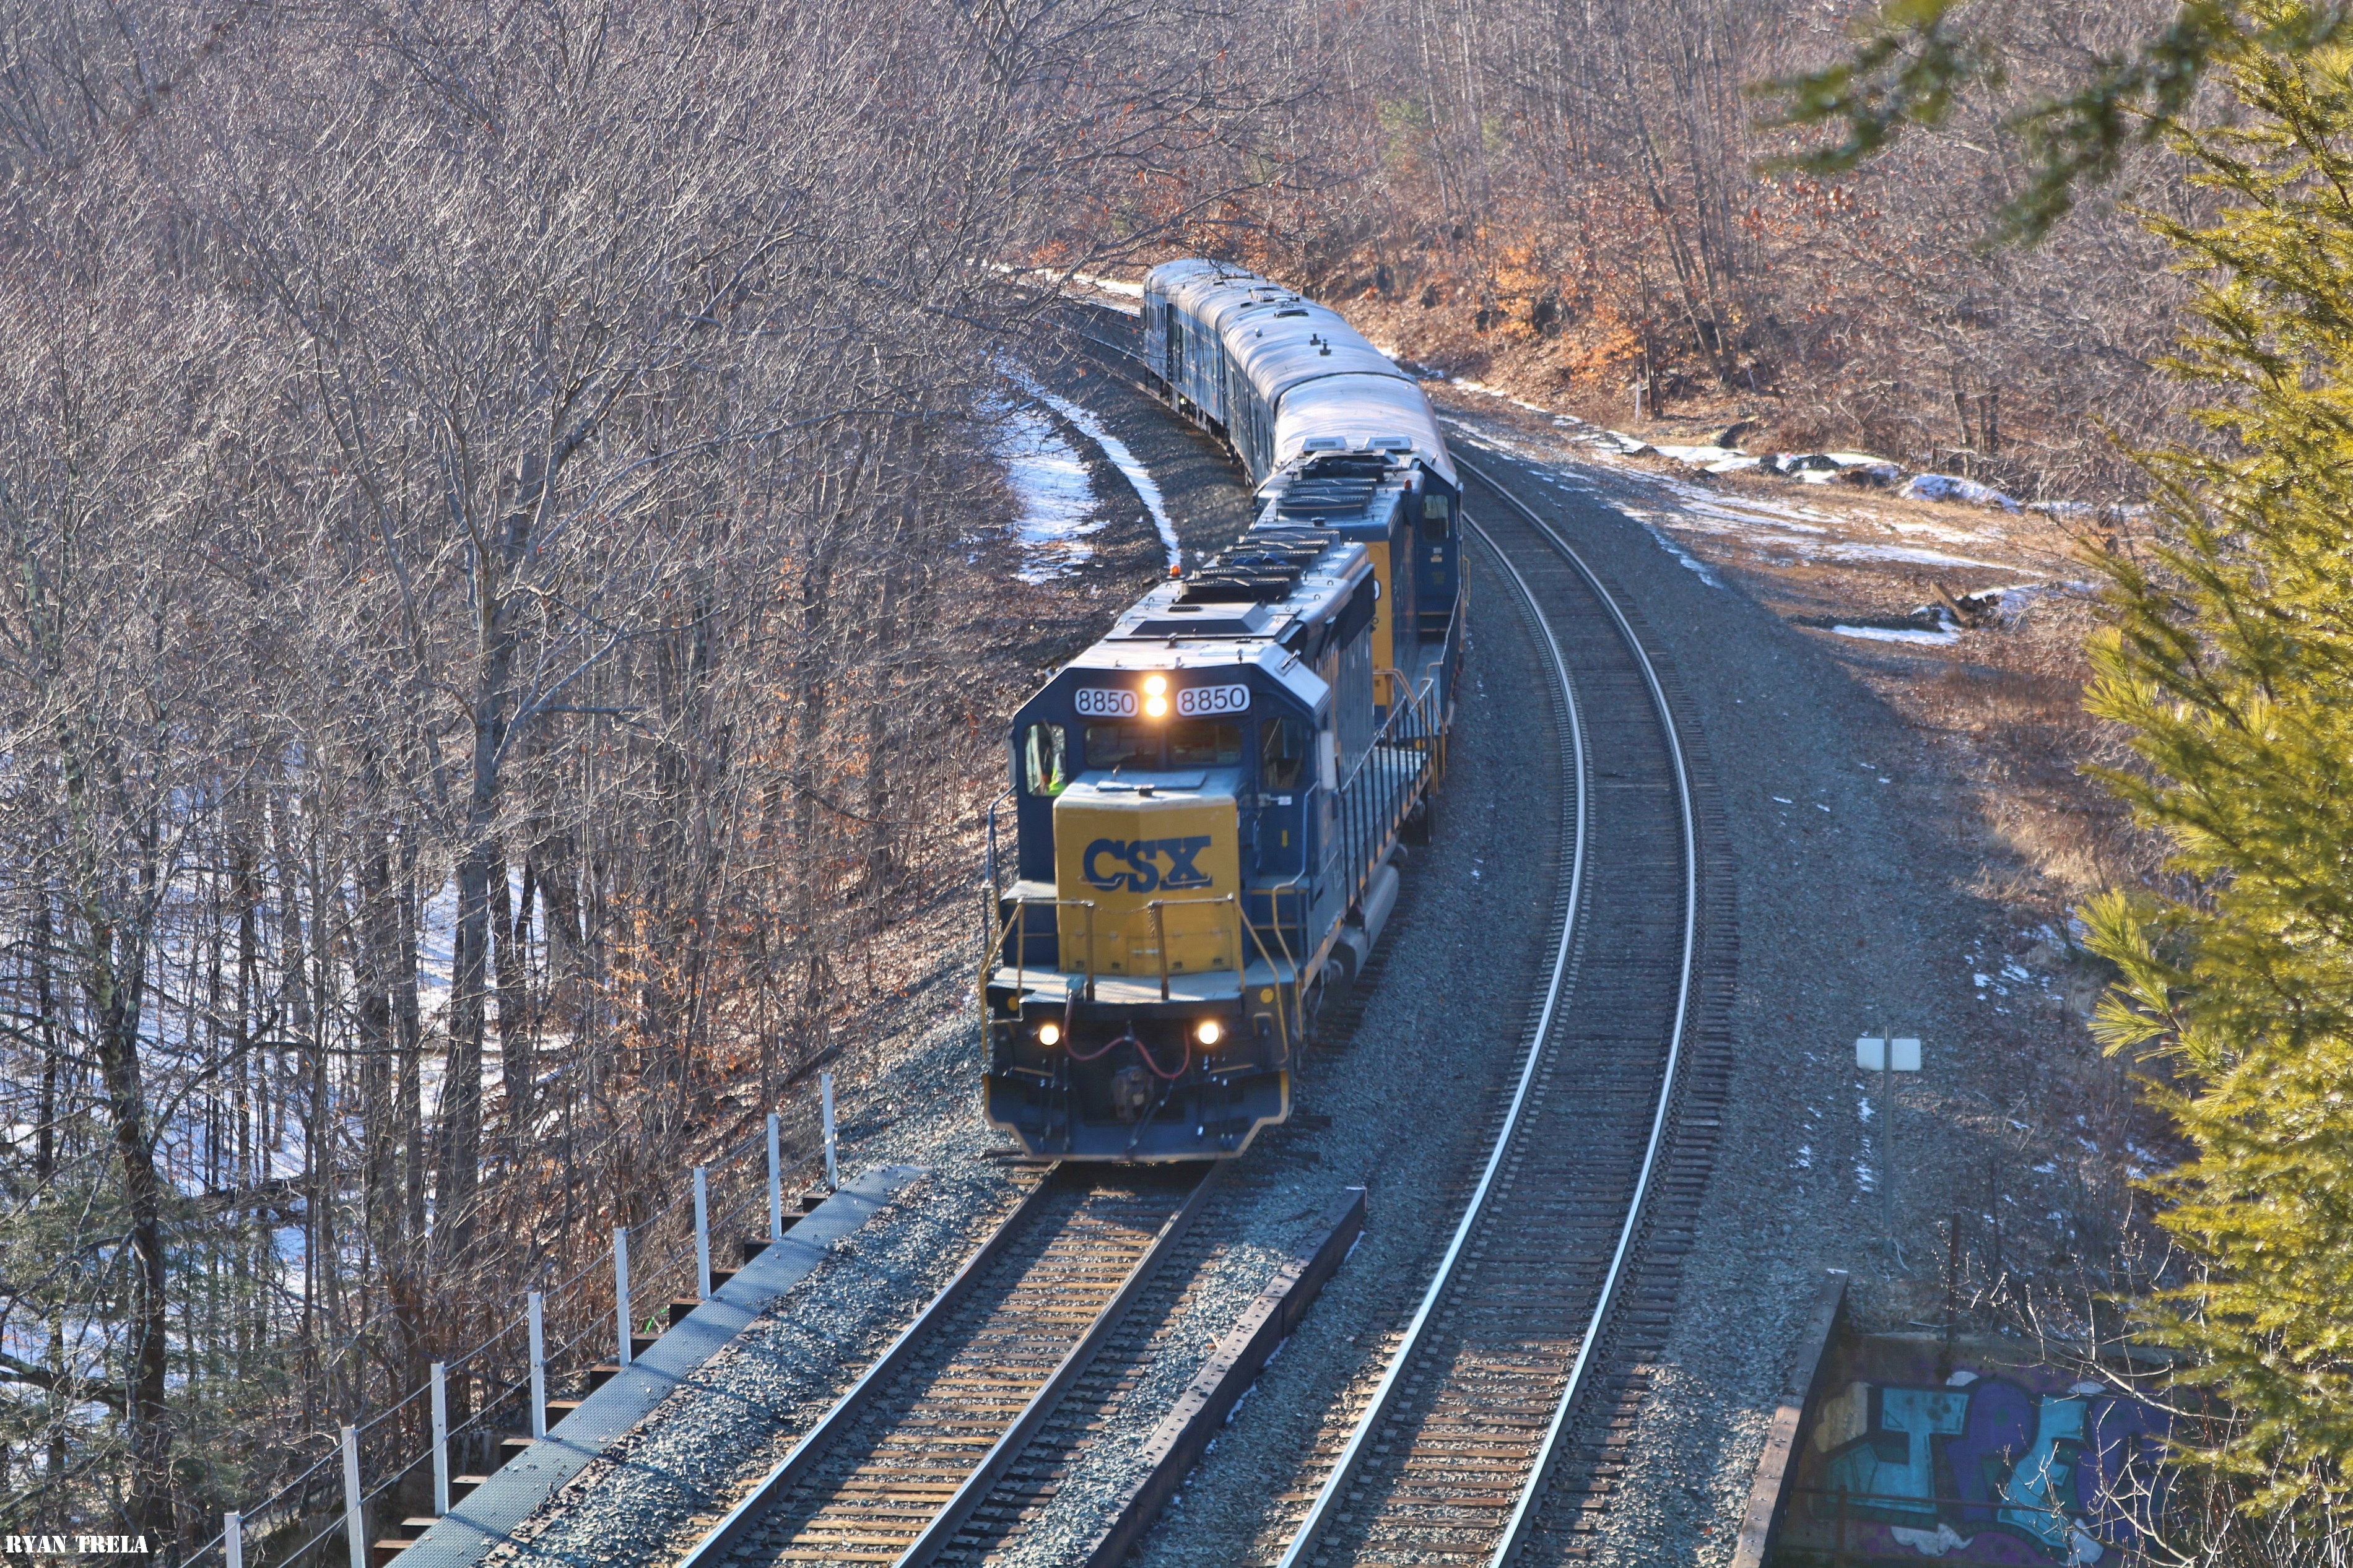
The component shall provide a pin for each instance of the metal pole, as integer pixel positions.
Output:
(440, 1439)
(233, 1539)
(703, 1232)
(538, 1307)
(621, 1287)
(1887, 1127)
(832, 1170)
(355, 1502)
(775, 1179)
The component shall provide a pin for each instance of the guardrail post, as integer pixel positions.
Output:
(775, 1179)
(233, 1539)
(440, 1439)
(832, 1170)
(702, 1233)
(537, 1307)
(621, 1287)
(354, 1502)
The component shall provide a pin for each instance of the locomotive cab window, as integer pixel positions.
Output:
(1044, 760)
(1113, 746)
(1282, 755)
(1204, 743)
(1433, 516)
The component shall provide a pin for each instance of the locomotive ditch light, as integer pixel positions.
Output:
(1207, 1032)
(1050, 1032)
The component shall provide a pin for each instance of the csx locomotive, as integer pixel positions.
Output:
(1206, 803)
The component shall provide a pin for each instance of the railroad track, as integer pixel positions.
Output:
(1449, 1452)
(907, 1462)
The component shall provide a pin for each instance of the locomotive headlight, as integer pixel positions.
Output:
(1156, 685)
(1155, 696)
(1157, 707)
(1050, 1034)
(1207, 1032)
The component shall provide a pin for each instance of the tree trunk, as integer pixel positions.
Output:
(492, 698)
(114, 1004)
(512, 924)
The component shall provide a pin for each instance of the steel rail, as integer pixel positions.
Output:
(746, 1516)
(739, 1520)
(1531, 1495)
(1008, 1447)
(1319, 1512)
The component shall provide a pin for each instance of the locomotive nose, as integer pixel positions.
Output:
(1157, 867)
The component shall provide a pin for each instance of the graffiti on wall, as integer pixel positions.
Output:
(2009, 1466)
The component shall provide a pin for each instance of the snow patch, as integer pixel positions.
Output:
(1485, 390)
(1056, 507)
(1890, 634)
(1109, 285)
(1093, 428)
(1954, 488)
(1916, 557)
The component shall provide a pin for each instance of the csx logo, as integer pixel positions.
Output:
(1112, 864)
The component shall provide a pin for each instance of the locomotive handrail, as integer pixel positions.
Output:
(1020, 929)
(1160, 935)
(1282, 1023)
(989, 852)
(1416, 699)
(1361, 839)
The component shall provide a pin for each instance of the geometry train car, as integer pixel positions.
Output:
(1206, 803)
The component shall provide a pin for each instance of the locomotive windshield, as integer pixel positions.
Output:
(1204, 743)
(1112, 746)
(1189, 743)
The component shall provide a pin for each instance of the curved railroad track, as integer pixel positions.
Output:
(1450, 1454)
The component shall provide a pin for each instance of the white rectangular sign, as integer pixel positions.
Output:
(1104, 702)
(1870, 1054)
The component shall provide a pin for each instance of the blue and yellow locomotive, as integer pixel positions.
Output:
(1206, 805)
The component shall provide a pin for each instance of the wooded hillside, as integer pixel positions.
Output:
(1572, 198)
(485, 495)
(488, 494)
